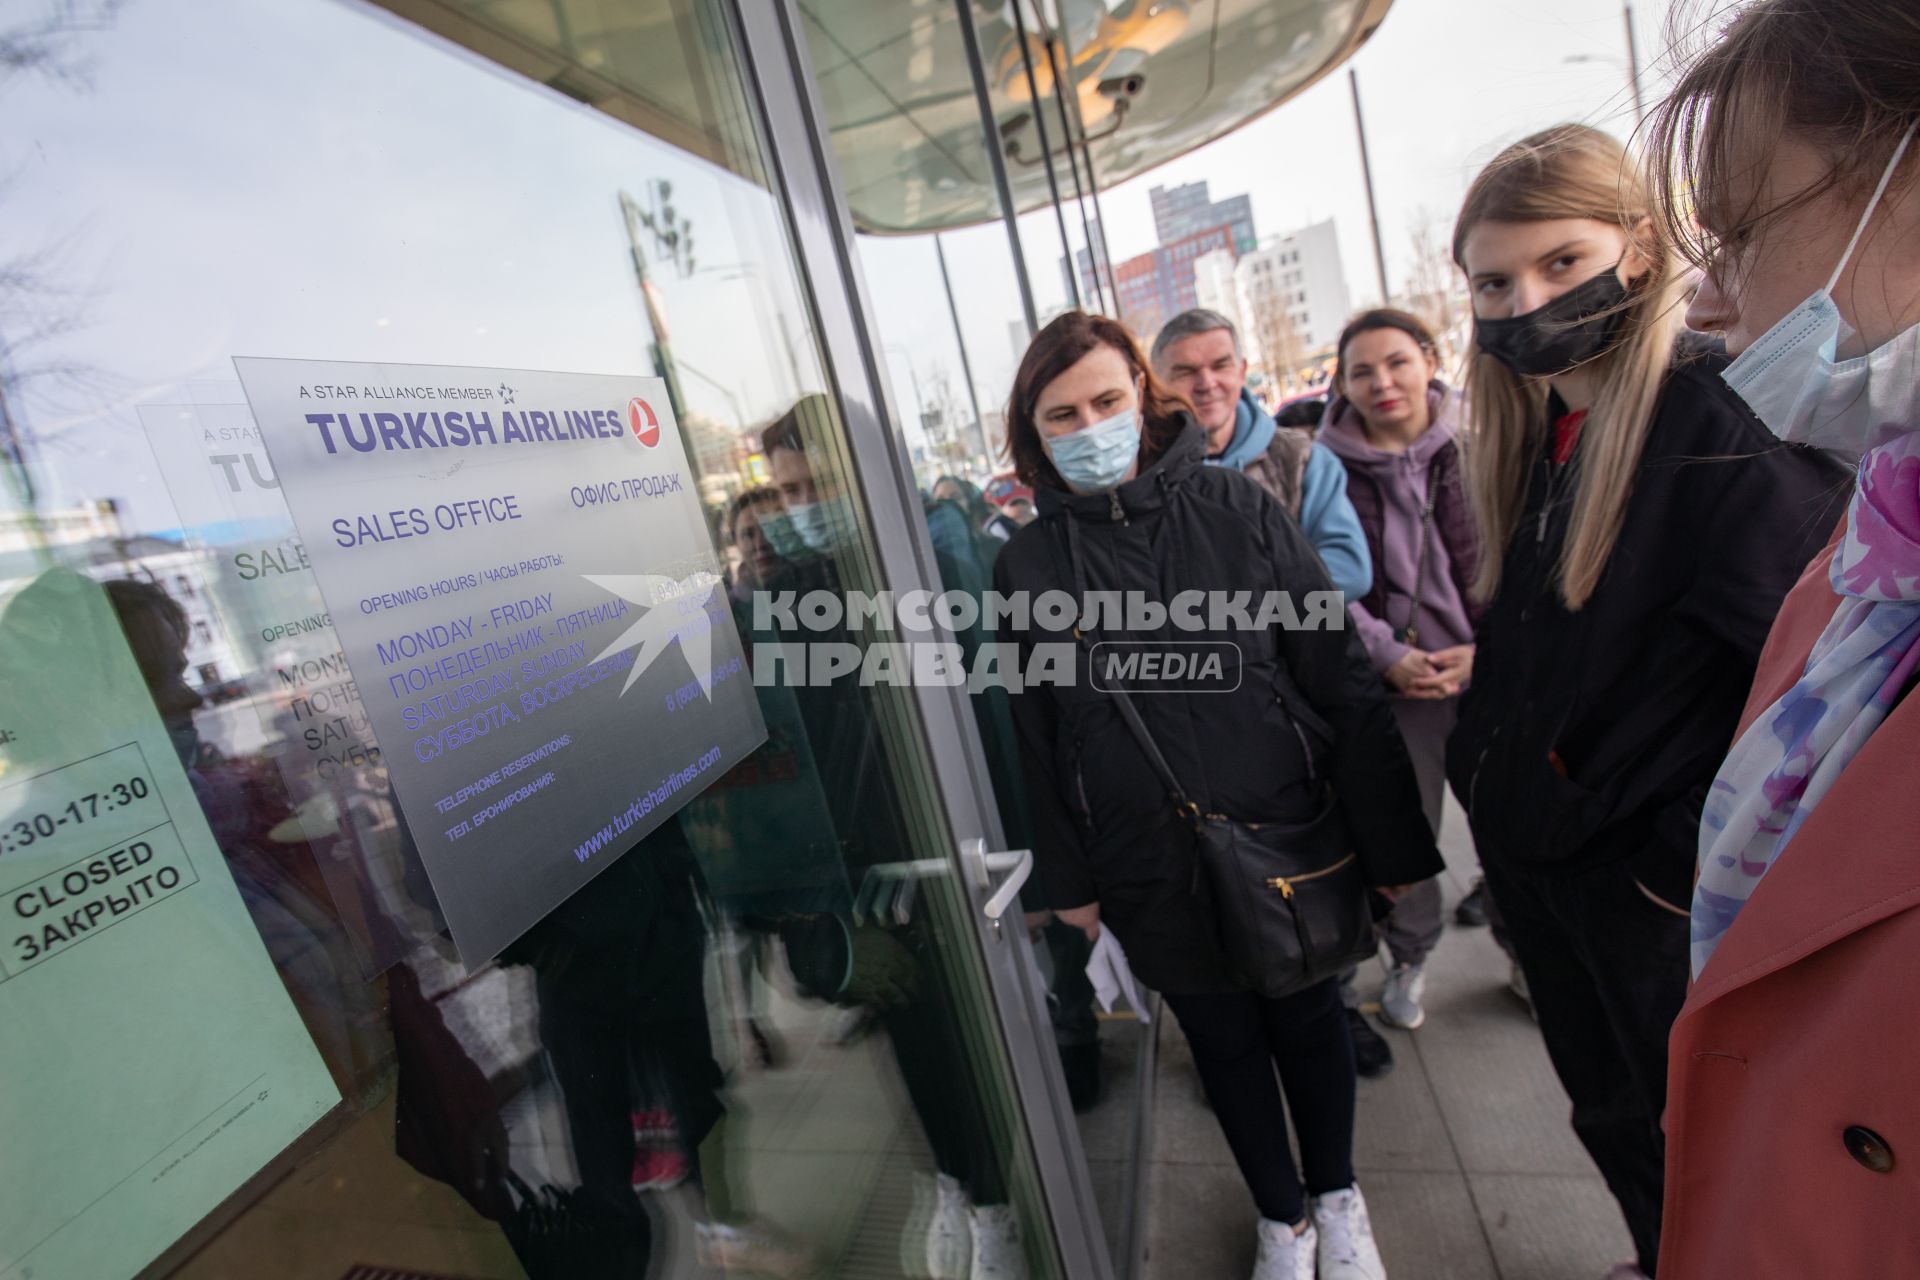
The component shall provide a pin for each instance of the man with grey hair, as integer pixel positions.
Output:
(1198, 354)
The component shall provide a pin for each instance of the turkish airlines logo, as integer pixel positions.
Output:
(646, 426)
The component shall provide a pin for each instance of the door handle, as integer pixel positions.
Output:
(1020, 868)
(1016, 863)
(888, 889)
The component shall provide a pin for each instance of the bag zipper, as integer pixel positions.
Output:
(1473, 782)
(1285, 884)
(1080, 786)
(1306, 748)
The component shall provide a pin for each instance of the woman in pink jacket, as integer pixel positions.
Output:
(1793, 1115)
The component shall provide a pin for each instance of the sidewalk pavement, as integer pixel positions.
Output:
(1470, 1168)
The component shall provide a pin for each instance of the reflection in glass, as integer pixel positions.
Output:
(762, 1040)
(949, 307)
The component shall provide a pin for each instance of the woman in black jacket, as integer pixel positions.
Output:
(1641, 529)
(1116, 464)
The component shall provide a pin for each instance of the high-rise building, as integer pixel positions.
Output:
(1159, 284)
(1155, 291)
(1215, 289)
(1293, 292)
(1181, 211)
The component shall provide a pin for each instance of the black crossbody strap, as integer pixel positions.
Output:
(1410, 634)
(1128, 712)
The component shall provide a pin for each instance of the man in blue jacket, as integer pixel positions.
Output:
(1198, 354)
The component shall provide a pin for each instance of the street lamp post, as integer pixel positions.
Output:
(959, 338)
(1366, 172)
(637, 220)
(913, 376)
(1631, 67)
(1633, 64)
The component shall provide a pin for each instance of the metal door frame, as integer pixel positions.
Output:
(807, 182)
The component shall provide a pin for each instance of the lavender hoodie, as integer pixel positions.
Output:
(1402, 478)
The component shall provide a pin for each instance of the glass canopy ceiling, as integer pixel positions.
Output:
(1147, 80)
(1144, 81)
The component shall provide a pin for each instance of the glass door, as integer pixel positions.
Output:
(933, 124)
(779, 1035)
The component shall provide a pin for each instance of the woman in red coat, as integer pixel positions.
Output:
(1793, 1115)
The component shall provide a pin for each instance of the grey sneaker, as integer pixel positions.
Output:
(1400, 999)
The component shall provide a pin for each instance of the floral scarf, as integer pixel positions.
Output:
(1789, 757)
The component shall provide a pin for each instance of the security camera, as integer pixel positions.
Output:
(1122, 88)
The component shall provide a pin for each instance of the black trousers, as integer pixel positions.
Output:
(936, 1066)
(1607, 968)
(609, 1063)
(1238, 1040)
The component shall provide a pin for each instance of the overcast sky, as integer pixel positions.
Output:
(258, 216)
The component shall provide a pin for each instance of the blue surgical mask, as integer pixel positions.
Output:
(778, 528)
(825, 526)
(1793, 380)
(1096, 458)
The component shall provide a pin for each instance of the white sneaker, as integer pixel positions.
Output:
(1284, 1255)
(996, 1244)
(1347, 1251)
(937, 1242)
(1400, 999)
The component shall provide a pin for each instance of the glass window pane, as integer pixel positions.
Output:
(947, 306)
(762, 1038)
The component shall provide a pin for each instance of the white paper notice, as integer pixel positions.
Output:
(522, 576)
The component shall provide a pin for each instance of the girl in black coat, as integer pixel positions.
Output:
(1641, 528)
(1116, 465)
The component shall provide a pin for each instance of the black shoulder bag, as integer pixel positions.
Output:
(1289, 900)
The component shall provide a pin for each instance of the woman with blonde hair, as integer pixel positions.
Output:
(1640, 528)
(1791, 154)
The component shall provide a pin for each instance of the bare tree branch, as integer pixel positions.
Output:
(37, 307)
(44, 44)
(1431, 280)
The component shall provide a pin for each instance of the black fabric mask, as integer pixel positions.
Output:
(1572, 329)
